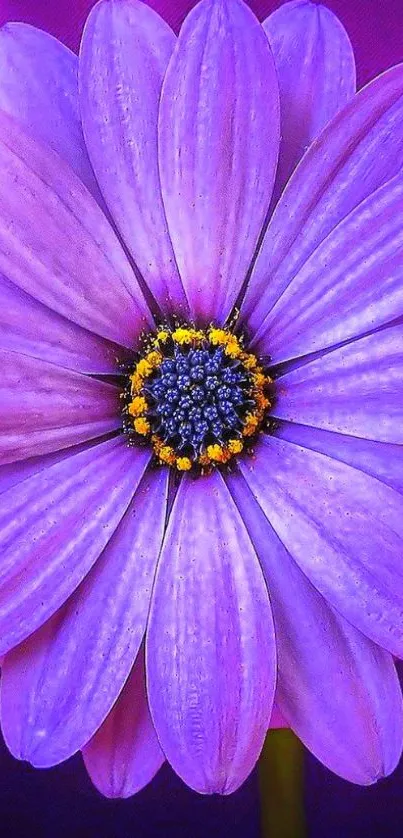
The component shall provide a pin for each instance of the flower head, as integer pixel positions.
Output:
(201, 345)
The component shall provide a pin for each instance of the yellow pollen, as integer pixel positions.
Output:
(235, 446)
(162, 336)
(142, 426)
(183, 336)
(217, 453)
(232, 348)
(136, 382)
(166, 454)
(154, 359)
(249, 361)
(259, 379)
(137, 406)
(183, 463)
(251, 424)
(143, 368)
(262, 402)
(218, 336)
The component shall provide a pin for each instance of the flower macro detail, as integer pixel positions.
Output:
(197, 396)
(201, 398)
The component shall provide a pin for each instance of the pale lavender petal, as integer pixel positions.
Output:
(53, 527)
(361, 149)
(218, 147)
(342, 527)
(381, 459)
(210, 648)
(44, 407)
(356, 389)
(79, 667)
(338, 691)
(124, 755)
(56, 244)
(124, 53)
(352, 283)
(39, 87)
(316, 73)
(29, 327)
(13, 473)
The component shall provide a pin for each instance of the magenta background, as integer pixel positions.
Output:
(375, 26)
(61, 803)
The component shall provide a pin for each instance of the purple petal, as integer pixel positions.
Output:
(361, 149)
(56, 244)
(342, 527)
(277, 721)
(13, 473)
(124, 755)
(218, 147)
(53, 527)
(356, 389)
(211, 662)
(125, 51)
(44, 407)
(381, 459)
(351, 284)
(88, 655)
(38, 86)
(338, 691)
(31, 328)
(316, 72)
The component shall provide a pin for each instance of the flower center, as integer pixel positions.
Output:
(197, 396)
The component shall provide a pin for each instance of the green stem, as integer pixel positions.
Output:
(281, 786)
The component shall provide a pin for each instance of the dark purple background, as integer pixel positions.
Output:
(61, 803)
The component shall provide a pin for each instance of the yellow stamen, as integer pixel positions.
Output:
(143, 368)
(259, 379)
(136, 382)
(235, 446)
(137, 406)
(183, 336)
(218, 336)
(232, 347)
(251, 424)
(162, 336)
(249, 361)
(154, 359)
(166, 454)
(218, 454)
(183, 464)
(142, 426)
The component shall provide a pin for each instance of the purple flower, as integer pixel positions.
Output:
(152, 611)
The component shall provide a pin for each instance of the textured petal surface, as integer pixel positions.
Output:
(352, 283)
(124, 755)
(356, 389)
(56, 244)
(44, 407)
(124, 54)
(29, 327)
(13, 473)
(338, 691)
(316, 72)
(218, 146)
(38, 86)
(87, 656)
(382, 460)
(342, 527)
(54, 525)
(210, 643)
(357, 152)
